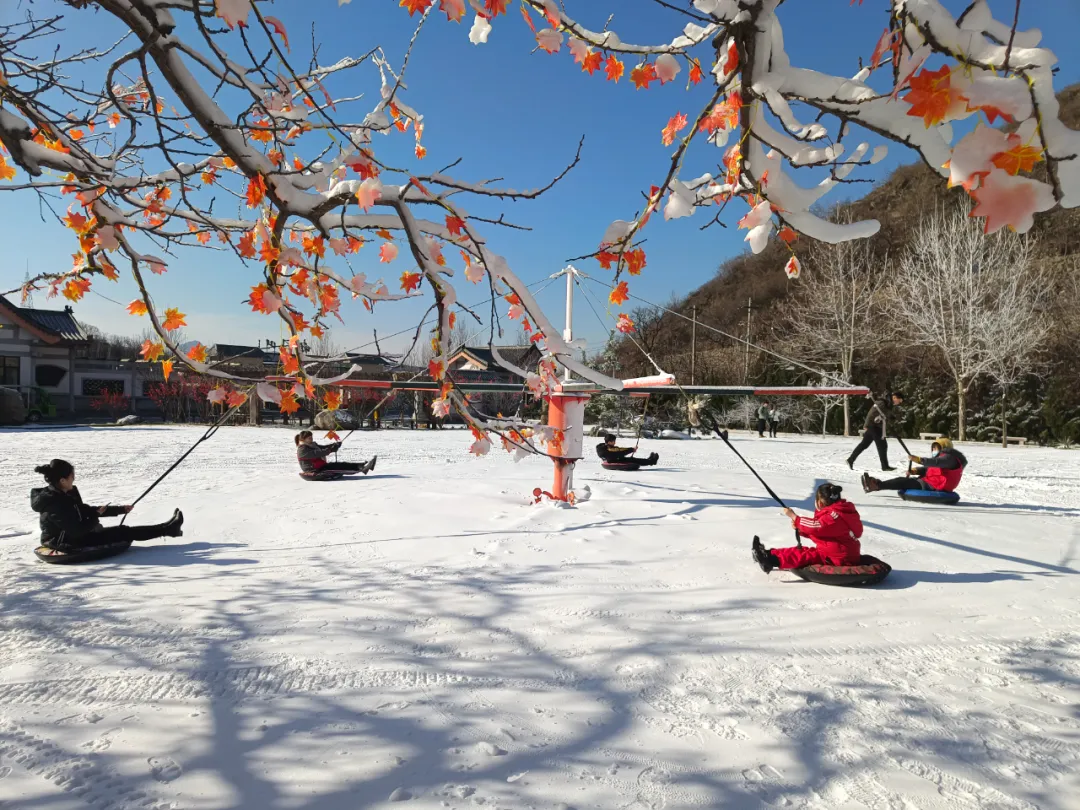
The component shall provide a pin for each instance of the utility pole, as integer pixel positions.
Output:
(746, 367)
(693, 343)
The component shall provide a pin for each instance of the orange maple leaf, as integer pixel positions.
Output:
(137, 307)
(197, 353)
(76, 288)
(592, 62)
(151, 350)
(614, 68)
(788, 235)
(289, 363)
(8, 172)
(174, 319)
(331, 435)
(166, 368)
(624, 324)
(384, 234)
(931, 94)
(235, 398)
(262, 300)
(635, 261)
(410, 281)
(436, 369)
(108, 270)
(732, 61)
(695, 72)
(1019, 158)
(256, 190)
(332, 400)
(247, 245)
(416, 6)
(289, 403)
(495, 7)
(674, 125)
(619, 295)
(314, 245)
(268, 253)
(643, 75)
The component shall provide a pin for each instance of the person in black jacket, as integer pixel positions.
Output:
(312, 456)
(68, 523)
(611, 454)
(874, 429)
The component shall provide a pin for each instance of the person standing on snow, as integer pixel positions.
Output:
(762, 419)
(835, 529)
(874, 429)
(941, 471)
(774, 422)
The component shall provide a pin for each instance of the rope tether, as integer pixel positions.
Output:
(209, 432)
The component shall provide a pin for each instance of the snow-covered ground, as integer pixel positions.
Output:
(425, 634)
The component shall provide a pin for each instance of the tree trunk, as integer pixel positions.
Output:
(847, 415)
(961, 432)
(825, 419)
(1004, 421)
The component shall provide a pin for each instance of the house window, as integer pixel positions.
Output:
(9, 370)
(49, 376)
(94, 388)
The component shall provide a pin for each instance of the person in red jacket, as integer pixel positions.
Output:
(941, 471)
(835, 529)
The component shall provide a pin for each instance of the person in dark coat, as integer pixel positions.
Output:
(941, 471)
(874, 429)
(762, 419)
(67, 523)
(312, 456)
(611, 454)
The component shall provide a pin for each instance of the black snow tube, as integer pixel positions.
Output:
(625, 466)
(79, 555)
(869, 571)
(326, 475)
(929, 496)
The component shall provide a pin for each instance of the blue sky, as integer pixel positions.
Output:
(506, 112)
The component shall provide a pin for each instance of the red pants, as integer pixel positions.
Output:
(800, 557)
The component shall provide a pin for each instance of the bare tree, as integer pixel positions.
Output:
(835, 318)
(972, 298)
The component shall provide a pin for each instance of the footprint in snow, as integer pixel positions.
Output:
(164, 769)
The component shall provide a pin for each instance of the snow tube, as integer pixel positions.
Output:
(326, 475)
(929, 496)
(84, 554)
(869, 571)
(625, 466)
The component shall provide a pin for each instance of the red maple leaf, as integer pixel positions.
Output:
(454, 225)
(247, 245)
(256, 190)
(606, 257)
(591, 63)
(695, 72)
(674, 125)
(732, 61)
(410, 281)
(635, 261)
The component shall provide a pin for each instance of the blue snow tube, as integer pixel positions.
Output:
(929, 496)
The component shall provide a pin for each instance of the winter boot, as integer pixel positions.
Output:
(851, 464)
(871, 484)
(653, 458)
(763, 557)
(368, 465)
(173, 528)
(888, 469)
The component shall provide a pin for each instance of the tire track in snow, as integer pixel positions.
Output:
(76, 774)
(38, 638)
(241, 683)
